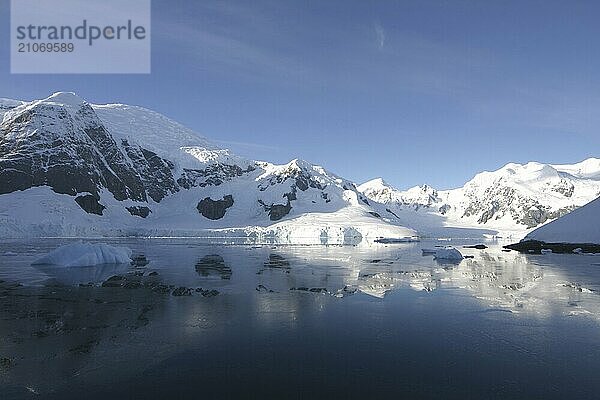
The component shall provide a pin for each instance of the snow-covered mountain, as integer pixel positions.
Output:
(579, 226)
(512, 200)
(70, 168)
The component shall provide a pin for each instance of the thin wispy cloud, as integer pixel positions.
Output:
(380, 33)
(222, 50)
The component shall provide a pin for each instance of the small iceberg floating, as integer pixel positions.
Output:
(447, 253)
(85, 254)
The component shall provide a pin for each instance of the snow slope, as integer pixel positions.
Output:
(510, 201)
(70, 168)
(579, 226)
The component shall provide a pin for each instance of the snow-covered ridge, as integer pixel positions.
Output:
(512, 200)
(71, 168)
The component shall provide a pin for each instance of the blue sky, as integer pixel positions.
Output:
(413, 91)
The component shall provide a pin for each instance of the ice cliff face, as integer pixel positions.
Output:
(515, 197)
(68, 167)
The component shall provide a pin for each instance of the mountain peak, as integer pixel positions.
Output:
(374, 183)
(65, 98)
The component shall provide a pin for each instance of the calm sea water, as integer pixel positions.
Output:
(301, 322)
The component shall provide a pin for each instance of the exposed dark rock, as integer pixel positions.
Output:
(291, 195)
(155, 172)
(391, 212)
(213, 175)
(538, 214)
(215, 209)
(213, 265)
(182, 291)
(376, 215)
(139, 260)
(519, 207)
(71, 153)
(488, 214)
(277, 211)
(262, 288)
(349, 289)
(114, 281)
(476, 246)
(161, 288)
(390, 240)
(6, 363)
(207, 292)
(565, 188)
(513, 286)
(444, 209)
(90, 204)
(302, 179)
(535, 247)
(140, 211)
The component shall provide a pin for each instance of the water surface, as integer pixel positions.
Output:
(299, 322)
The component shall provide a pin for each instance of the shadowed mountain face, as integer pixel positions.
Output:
(69, 149)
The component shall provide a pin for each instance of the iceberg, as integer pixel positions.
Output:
(448, 253)
(82, 254)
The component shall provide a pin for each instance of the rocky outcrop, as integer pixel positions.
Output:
(277, 211)
(536, 247)
(90, 203)
(213, 175)
(140, 211)
(155, 173)
(214, 209)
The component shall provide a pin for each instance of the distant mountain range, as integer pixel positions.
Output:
(514, 199)
(71, 168)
